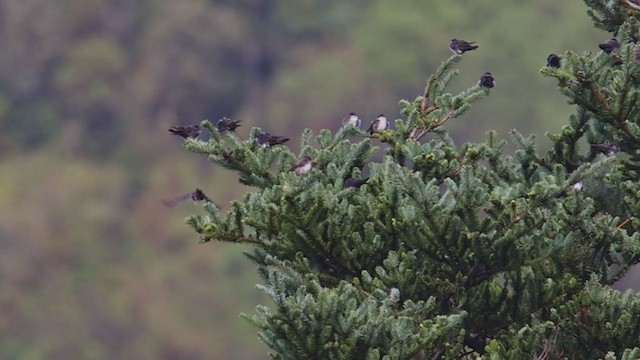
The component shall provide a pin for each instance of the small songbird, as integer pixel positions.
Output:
(606, 148)
(553, 61)
(197, 195)
(189, 131)
(353, 183)
(459, 47)
(267, 140)
(225, 125)
(352, 119)
(610, 45)
(303, 166)
(487, 81)
(379, 124)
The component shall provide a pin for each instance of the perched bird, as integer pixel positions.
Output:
(606, 148)
(352, 119)
(487, 81)
(353, 183)
(303, 166)
(553, 61)
(189, 131)
(610, 45)
(459, 47)
(379, 124)
(225, 125)
(267, 140)
(197, 195)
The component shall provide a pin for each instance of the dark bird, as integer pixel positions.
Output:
(379, 124)
(352, 119)
(197, 195)
(189, 131)
(267, 140)
(606, 148)
(303, 166)
(553, 61)
(459, 47)
(353, 183)
(610, 45)
(487, 81)
(225, 125)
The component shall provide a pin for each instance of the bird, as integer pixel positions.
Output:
(267, 140)
(352, 119)
(487, 81)
(606, 148)
(459, 47)
(189, 131)
(353, 183)
(553, 61)
(225, 125)
(303, 166)
(610, 45)
(379, 124)
(197, 195)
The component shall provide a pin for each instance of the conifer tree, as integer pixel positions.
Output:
(446, 251)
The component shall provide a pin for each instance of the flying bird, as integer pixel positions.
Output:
(189, 131)
(606, 148)
(353, 183)
(303, 166)
(487, 81)
(553, 61)
(459, 47)
(610, 45)
(379, 124)
(197, 195)
(352, 119)
(267, 140)
(225, 125)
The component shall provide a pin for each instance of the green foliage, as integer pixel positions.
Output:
(447, 251)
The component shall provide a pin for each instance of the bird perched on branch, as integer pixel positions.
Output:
(487, 81)
(352, 119)
(379, 124)
(267, 140)
(225, 125)
(553, 61)
(459, 47)
(189, 131)
(303, 166)
(606, 148)
(353, 183)
(610, 45)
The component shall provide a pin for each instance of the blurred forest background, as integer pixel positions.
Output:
(92, 266)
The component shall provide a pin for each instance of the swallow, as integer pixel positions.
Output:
(487, 81)
(459, 47)
(610, 46)
(303, 166)
(189, 131)
(267, 140)
(553, 61)
(352, 119)
(225, 125)
(606, 148)
(379, 124)
(353, 183)
(197, 195)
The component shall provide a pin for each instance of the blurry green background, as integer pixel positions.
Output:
(92, 266)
